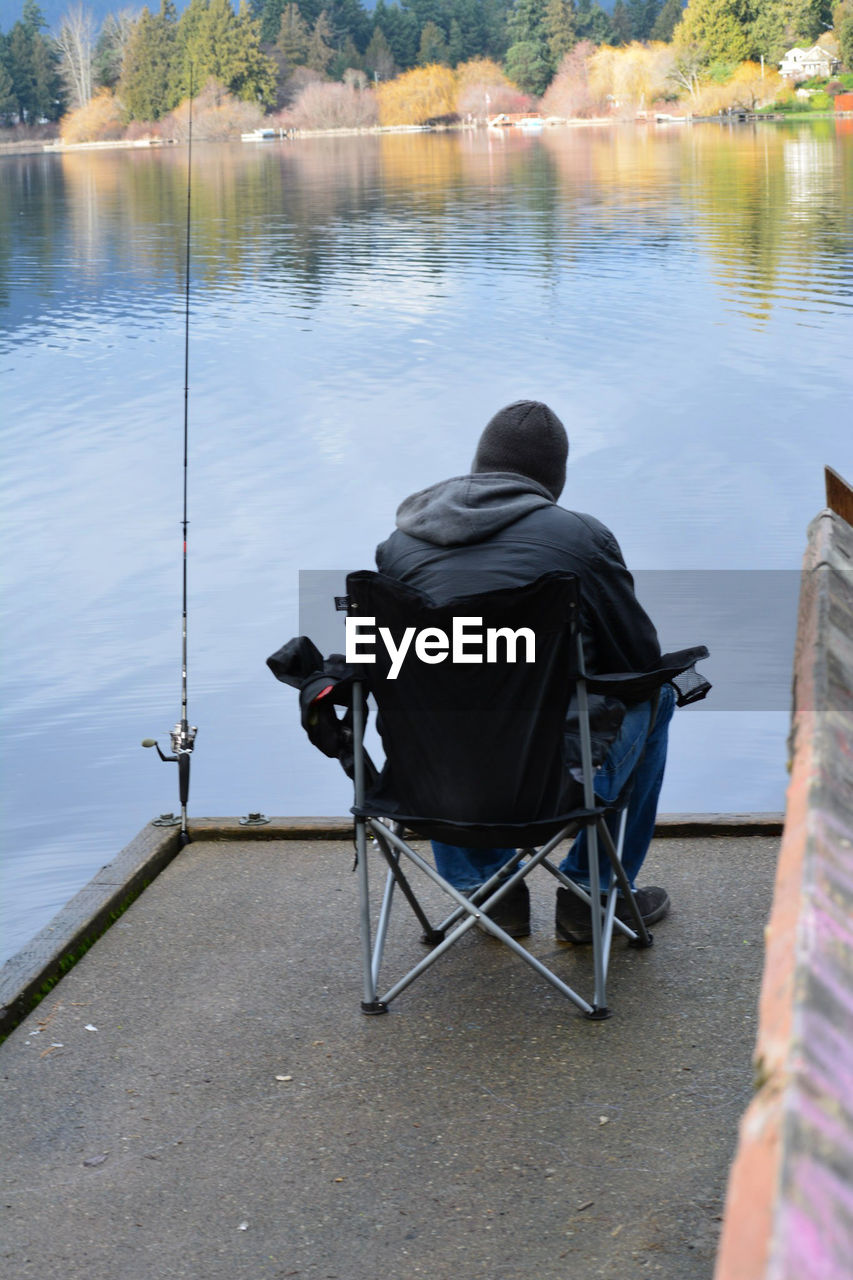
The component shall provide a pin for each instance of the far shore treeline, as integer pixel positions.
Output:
(335, 64)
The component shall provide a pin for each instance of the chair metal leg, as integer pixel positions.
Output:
(599, 999)
(600, 1009)
(484, 891)
(432, 936)
(369, 1004)
(474, 914)
(382, 926)
(619, 926)
(643, 937)
(611, 892)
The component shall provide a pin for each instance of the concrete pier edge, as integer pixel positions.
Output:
(28, 974)
(789, 1206)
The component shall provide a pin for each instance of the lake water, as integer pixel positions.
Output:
(360, 307)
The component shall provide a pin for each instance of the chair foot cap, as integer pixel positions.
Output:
(373, 1007)
(433, 937)
(639, 945)
(598, 1014)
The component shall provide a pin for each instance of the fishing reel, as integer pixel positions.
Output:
(183, 739)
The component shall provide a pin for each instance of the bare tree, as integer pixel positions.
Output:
(688, 67)
(108, 58)
(76, 44)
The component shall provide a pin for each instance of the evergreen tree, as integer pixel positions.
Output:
(346, 59)
(208, 45)
(215, 43)
(433, 47)
(455, 43)
(8, 102)
(471, 16)
(844, 31)
(526, 21)
(424, 11)
(49, 101)
(527, 66)
(31, 65)
(378, 58)
(781, 24)
(591, 22)
(311, 10)
(495, 14)
(643, 15)
(293, 37)
(560, 28)
(620, 24)
(32, 18)
(722, 29)
(320, 50)
(401, 30)
(115, 33)
(528, 58)
(148, 84)
(348, 20)
(270, 13)
(253, 74)
(189, 25)
(667, 20)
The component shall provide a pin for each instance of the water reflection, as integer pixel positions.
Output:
(359, 307)
(766, 204)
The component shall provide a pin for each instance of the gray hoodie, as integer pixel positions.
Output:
(469, 509)
(497, 529)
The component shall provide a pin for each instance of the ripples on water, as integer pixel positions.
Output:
(359, 308)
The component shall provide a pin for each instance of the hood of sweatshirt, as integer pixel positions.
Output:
(468, 509)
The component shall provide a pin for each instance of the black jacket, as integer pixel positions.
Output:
(482, 532)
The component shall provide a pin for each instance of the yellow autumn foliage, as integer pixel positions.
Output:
(634, 75)
(482, 90)
(748, 88)
(480, 71)
(100, 120)
(423, 94)
(756, 87)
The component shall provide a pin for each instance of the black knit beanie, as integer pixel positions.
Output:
(528, 438)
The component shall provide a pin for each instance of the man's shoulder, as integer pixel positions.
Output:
(550, 536)
(577, 526)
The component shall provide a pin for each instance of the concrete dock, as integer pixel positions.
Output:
(202, 1097)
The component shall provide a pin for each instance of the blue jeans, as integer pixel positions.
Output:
(466, 868)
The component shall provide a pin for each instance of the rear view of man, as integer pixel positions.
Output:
(499, 527)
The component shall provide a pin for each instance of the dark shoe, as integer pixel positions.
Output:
(512, 912)
(653, 904)
(574, 924)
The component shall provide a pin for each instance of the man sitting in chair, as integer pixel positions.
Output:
(500, 527)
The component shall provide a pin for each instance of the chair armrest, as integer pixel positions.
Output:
(677, 669)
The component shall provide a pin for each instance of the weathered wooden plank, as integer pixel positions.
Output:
(789, 1211)
(839, 495)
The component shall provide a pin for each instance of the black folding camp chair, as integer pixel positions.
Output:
(479, 754)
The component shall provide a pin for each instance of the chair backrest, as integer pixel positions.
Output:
(470, 742)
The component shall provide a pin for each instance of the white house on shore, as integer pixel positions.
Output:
(801, 64)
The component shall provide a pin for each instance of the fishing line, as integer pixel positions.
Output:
(183, 735)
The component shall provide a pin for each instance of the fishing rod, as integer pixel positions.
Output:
(183, 735)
